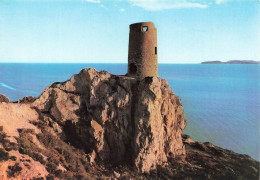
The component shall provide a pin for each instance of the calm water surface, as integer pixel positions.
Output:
(221, 102)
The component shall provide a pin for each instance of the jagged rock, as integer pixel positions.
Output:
(206, 161)
(159, 122)
(118, 115)
(27, 100)
(3, 98)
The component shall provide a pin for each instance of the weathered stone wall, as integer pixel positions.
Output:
(142, 50)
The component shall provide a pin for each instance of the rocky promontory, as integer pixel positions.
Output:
(97, 126)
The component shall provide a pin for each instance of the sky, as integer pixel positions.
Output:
(97, 31)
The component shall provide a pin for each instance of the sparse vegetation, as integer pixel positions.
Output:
(4, 156)
(13, 158)
(14, 170)
(27, 146)
(7, 145)
(61, 153)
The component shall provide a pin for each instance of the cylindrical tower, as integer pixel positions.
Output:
(142, 50)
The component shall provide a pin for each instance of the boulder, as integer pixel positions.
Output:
(3, 98)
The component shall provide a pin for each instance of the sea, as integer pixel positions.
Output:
(221, 101)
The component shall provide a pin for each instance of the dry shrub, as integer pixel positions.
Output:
(14, 170)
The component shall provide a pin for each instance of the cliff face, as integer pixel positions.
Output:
(98, 125)
(117, 118)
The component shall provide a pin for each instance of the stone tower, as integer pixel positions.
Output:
(142, 50)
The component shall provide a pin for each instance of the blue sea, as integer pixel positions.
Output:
(221, 102)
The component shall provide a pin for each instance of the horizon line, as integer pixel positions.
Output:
(79, 63)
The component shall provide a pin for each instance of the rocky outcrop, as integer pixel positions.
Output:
(206, 161)
(158, 124)
(100, 126)
(3, 98)
(27, 100)
(118, 118)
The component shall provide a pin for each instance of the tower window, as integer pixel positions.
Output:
(155, 50)
(145, 28)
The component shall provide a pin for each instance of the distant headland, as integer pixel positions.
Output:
(232, 62)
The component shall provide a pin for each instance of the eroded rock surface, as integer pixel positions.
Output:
(206, 161)
(3, 98)
(119, 118)
(158, 124)
(14, 163)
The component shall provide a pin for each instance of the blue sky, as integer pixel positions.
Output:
(97, 31)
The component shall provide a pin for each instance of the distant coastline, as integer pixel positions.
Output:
(232, 62)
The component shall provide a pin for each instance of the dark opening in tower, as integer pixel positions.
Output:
(133, 68)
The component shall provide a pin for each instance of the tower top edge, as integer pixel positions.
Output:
(149, 24)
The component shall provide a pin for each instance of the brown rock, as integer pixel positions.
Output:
(159, 122)
(4, 99)
(14, 120)
(117, 175)
(206, 161)
(16, 116)
(117, 115)
(27, 100)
